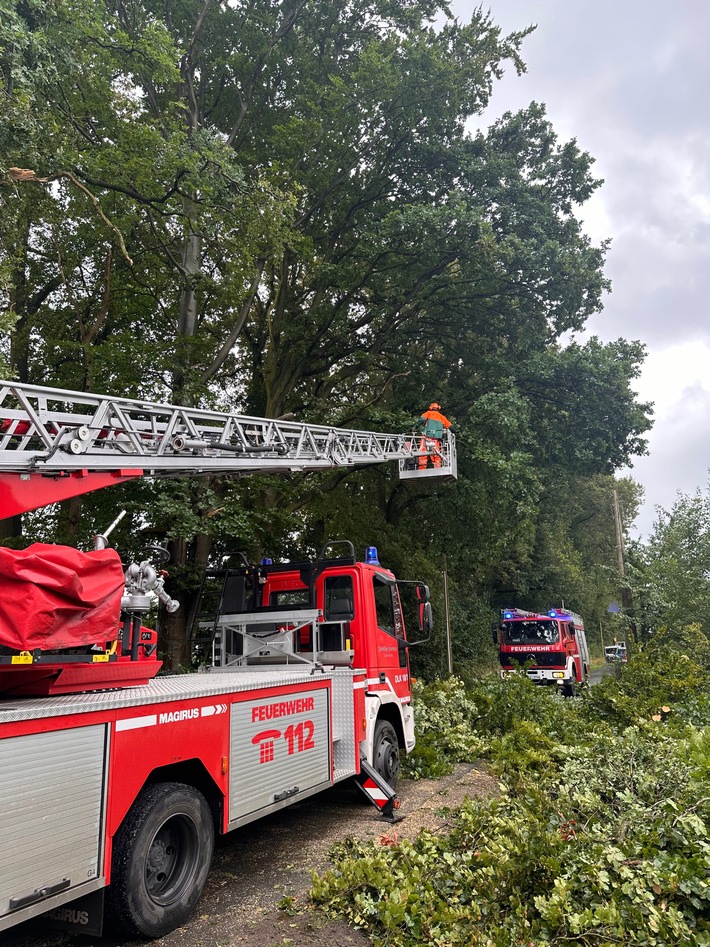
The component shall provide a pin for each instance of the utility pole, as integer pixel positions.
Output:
(448, 623)
(626, 600)
(619, 535)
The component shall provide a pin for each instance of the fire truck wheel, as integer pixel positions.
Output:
(385, 752)
(568, 689)
(161, 859)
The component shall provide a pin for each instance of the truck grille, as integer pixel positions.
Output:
(539, 658)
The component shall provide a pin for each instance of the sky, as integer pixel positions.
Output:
(630, 81)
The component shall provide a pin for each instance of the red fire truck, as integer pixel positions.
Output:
(116, 779)
(551, 648)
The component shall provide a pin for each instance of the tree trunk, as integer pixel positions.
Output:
(188, 560)
(69, 520)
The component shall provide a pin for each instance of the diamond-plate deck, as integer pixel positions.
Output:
(343, 725)
(159, 690)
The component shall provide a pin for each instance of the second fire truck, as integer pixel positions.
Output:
(551, 648)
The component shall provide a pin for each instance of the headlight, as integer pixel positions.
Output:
(558, 674)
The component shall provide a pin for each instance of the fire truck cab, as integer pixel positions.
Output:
(551, 648)
(333, 612)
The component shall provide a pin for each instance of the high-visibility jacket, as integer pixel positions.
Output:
(434, 423)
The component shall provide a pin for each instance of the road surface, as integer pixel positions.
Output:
(601, 672)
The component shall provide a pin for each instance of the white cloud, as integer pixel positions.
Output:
(678, 381)
(675, 375)
(629, 80)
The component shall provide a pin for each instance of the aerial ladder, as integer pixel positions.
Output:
(56, 444)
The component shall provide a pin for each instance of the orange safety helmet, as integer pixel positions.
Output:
(434, 406)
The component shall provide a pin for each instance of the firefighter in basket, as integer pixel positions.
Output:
(431, 425)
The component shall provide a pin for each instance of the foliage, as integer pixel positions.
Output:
(689, 640)
(663, 674)
(445, 729)
(281, 209)
(670, 574)
(592, 858)
(573, 557)
(600, 834)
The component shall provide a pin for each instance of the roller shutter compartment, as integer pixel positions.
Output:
(51, 814)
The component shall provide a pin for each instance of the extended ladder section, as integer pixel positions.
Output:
(65, 437)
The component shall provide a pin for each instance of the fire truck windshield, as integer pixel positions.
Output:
(530, 632)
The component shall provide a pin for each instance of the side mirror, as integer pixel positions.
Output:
(422, 592)
(426, 618)
(426, 624)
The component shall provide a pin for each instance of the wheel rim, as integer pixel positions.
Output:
(388, 761)
(171, 860)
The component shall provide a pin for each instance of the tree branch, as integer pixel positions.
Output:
(228, 344)
(21, 175)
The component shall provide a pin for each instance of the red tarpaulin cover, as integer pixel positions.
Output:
(55, 597)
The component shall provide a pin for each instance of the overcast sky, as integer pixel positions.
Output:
(630, 80)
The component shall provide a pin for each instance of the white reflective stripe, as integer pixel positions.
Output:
(376, 793)
(360, 686)
(135, 723)
(386, 684)
(213, 709)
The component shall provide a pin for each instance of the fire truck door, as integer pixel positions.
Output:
(392, 655)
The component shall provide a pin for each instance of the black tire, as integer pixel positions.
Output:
(569, 689)
(385, 752)
(161, 859)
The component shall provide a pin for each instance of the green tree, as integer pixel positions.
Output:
(670, 574)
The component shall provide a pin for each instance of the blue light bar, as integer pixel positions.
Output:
(552, 613)
(267, 561)
(507, 615)
(371, 555)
